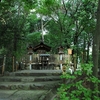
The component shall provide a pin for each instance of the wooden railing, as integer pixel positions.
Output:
(53, 59)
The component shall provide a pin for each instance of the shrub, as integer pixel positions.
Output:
(78, 85)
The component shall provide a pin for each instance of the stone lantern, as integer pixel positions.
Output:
(61, 52)
(30, 52)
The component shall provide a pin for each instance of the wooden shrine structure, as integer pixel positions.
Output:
(41, 58)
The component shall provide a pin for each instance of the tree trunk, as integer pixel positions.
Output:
(84, 51)
(88, 58)
(96, 45)
(96, 39)
(75, 51)
(15, 49)
(99, 63)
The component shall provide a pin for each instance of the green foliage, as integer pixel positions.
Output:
(68, 23)
(34, 38)
(3, 51)
(71, 21)
(79, 85)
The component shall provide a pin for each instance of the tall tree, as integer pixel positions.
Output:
(96, 43)
(73, 22)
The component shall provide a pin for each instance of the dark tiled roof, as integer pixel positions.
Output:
(42, 46)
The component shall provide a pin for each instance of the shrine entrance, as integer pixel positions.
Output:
(43, 55)
(40, 57)
(44, 60)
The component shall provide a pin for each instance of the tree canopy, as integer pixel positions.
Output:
(70, 23)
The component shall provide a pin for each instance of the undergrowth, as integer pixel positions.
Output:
(79, 85)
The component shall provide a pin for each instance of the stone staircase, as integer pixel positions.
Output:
(28, 82)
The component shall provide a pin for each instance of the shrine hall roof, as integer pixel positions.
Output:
(42, 46)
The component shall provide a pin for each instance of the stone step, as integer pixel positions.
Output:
(28, 78)
(29, 85)
(22, 94)
(35, 73)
